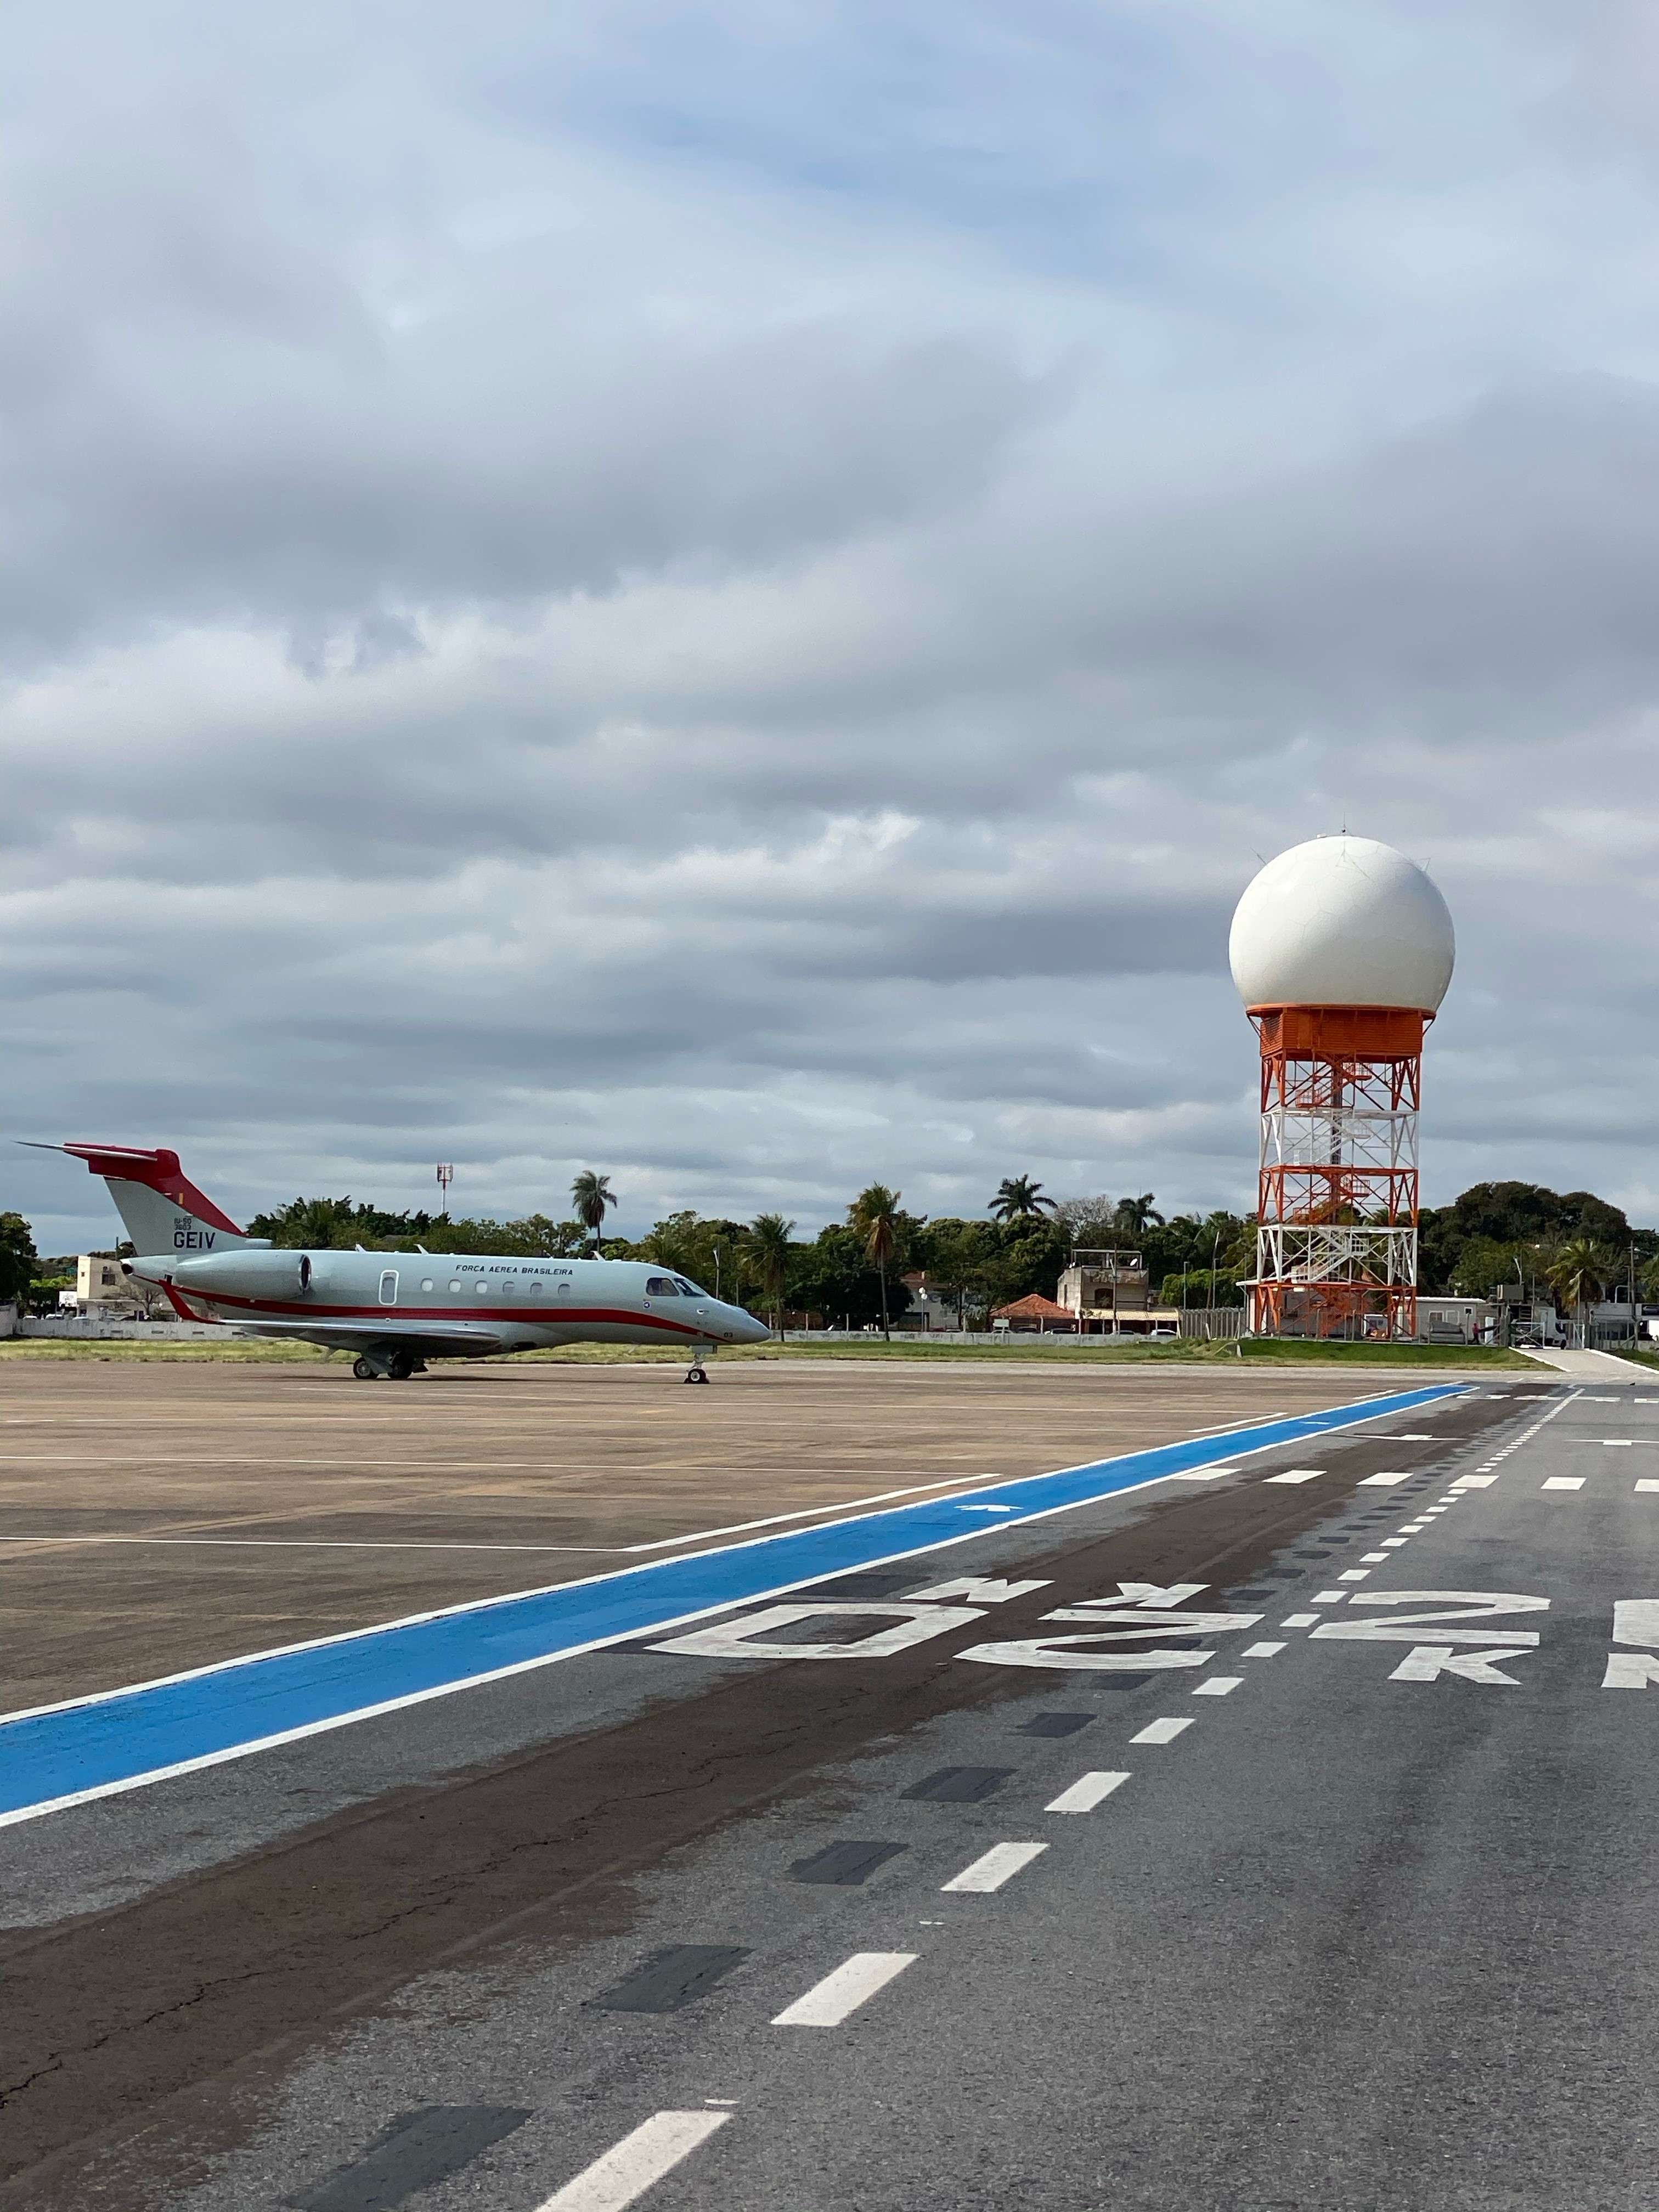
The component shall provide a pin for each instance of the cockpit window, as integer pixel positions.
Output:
(660, 1287)
(690, 1289)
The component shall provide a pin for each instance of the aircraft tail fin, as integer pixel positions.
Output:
(161, 1208)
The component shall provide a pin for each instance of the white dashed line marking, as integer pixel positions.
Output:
(1090, 1791)
(628, 2168)
(1297, 1474)
(1395, 1543)
(1563, 1482)
(853, 1983)
(1354, 1574)
(1647, 1482)
(1375, 1559)
(989, 1871)
(1299, 1621)
(1268, 1650)
(1218, 1686)
(1327, 1597)
(1162, 1731)
(1474, 1481)
(1383, 1481)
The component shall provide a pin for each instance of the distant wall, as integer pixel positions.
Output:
(83, 1326)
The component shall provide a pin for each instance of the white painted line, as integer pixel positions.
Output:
(1218, 1686)
(1647, 1482)
(853, 1983)
(1616, 1444)
(810, 1512)
(1383, 1481)
(1563, 1482)
(1413, 1527)
(1267, 1650)
(1163, 1731)
(1474, 1482)
(1297, 1474)
(1395, 1543)
(1327, 1597)
(1417, 1437)
(1375, 1559)
(989, 1871)
(1088, 1791)
(628, 2168)
(1299, 1621)
(1207, 1475)
(1353, 1574)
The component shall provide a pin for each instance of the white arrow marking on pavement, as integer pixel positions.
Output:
(1428, 1661)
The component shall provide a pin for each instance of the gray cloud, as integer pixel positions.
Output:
(541, 644)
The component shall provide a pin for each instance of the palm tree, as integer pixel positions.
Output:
(591, 1194)
(874, 1214)
(1576, 1274)
(766, 1247)
(1019, 1199)
(1136, 1215)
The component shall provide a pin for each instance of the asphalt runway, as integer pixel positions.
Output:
(1332, 1892)
(168, 1517)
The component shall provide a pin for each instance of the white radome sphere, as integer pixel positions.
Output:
(1342, 921)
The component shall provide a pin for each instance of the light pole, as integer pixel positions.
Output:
(445, 1176)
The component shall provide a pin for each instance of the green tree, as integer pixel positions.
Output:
(592, 1197)
(832, 1276)
(18, 1259)
(1579, 1272)
(873, 1216)
(768, 1248)
(1135, 1216)
(1019, 1199)
(337, 1225)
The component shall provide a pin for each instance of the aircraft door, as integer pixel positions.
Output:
(389, 1287)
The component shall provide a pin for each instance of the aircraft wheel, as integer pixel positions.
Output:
(364, 1371)
(400, 1367)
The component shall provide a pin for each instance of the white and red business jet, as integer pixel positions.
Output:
(396, 1310)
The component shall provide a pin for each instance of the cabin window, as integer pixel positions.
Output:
(690, 1290)
(454, 1286)
(564, 1289)
(661, 1287)
(427, 1283)
(483, 1288)
(532, 1290)
(509, 1288)
(389, 1287)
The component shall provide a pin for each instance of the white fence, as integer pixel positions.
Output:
(101, 1328)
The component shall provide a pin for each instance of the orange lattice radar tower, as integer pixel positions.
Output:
(1341, 950)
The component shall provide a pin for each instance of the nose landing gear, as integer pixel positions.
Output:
(696, 1372)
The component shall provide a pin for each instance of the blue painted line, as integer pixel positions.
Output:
(124, 1738)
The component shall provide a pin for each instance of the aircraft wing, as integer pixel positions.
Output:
(349, 1335)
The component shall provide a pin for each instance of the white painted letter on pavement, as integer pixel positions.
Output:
(973, 1591)
(1630, 1670)
(1062, 1652)
(1636, 1620)
(1429, 1662)
(739, 1640)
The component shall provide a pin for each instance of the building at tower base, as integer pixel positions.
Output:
(1342, 950)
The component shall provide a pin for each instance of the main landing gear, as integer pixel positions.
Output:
(395, 1367)
(696, 1372)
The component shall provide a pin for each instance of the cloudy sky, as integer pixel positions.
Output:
(731, 592)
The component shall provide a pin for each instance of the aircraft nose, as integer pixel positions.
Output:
(750, 1331)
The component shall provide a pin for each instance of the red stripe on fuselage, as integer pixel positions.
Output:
(525, 1317)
